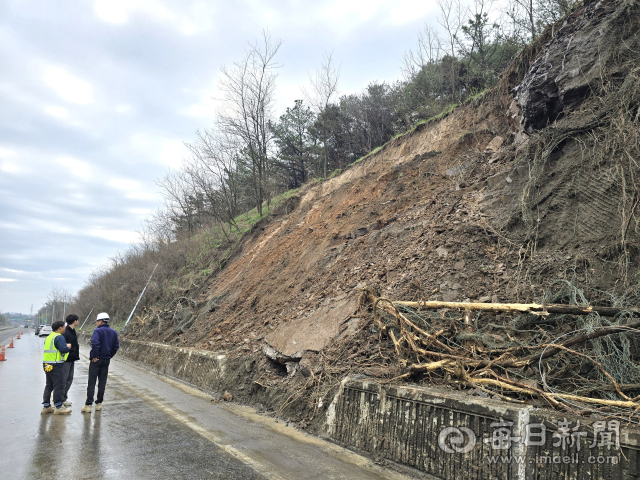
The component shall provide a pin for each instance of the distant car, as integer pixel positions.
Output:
(45, 330)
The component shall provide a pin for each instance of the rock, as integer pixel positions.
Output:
(494, 299)
(451, 172)
(450, 297)
(480, 393)
(459, 265)
(227, 397)
(485, 299)
(292, 367)
(494, 145)
(306, 367)
(572, 63)
(442, 252)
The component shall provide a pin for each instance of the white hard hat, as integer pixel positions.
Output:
(103, 316)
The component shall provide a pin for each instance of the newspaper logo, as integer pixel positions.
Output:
(456, 440)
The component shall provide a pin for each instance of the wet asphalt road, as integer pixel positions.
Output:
(6, 335)
(150, 428)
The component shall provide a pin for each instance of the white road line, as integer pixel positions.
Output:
(258, 467)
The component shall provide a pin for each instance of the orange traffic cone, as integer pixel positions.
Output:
(2, 358)
(18, 337)
(11, 344)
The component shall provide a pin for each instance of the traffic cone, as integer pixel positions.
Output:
(18, 337)
(11, 344)
(2, 358)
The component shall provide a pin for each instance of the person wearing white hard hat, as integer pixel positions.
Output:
(104, 345)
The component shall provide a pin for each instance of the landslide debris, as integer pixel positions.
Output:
(527, 192)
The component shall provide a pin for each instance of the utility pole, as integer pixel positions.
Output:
(64, 305)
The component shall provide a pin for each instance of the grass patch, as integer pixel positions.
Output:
(375, 150)
(247, 220)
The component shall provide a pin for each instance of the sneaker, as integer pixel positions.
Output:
(86, 409)
(47, 410)
(98, 407)
(62, 411)
(67, 403)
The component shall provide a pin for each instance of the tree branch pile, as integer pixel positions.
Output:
(570, 357)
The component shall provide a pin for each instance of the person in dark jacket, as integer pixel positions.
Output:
(74, 355)
(53, 358)
(104, 345)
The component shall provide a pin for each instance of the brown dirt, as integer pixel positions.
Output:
(433, 215)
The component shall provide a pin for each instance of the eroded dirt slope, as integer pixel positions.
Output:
(533, 182)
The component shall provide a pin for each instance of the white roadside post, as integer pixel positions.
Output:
(85, 320)
(136, 305)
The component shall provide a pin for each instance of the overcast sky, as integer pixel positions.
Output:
(97, 98)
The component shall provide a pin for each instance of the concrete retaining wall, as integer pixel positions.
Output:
(440, 432)
(431, 430)
(202, 369)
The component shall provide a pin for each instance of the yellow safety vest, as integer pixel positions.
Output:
(51, 353)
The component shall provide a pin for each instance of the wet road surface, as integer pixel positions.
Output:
(7, 335)
(150, 428)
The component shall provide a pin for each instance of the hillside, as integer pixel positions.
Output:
(526, 185)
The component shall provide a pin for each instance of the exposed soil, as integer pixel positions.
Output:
(494, 203)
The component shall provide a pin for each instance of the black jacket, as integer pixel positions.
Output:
(71, 337)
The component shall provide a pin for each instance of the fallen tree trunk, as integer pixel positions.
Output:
(534, 308)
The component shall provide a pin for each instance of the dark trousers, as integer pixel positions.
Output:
(67, 376)
(55, 384)
(97, 370)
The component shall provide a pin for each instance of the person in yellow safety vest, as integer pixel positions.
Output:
(55, 353)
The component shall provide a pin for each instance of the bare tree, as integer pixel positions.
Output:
(183, 205)
(451, 19)
(213, 170)
(536, 15)
(523, 14)
(427, 53)
(249, 87)
(324, 87)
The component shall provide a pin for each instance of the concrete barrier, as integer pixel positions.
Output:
(454, 436)
(443, 433)
(203, 369)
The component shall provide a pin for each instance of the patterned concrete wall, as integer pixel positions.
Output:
(453, 436)
(205, 370)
